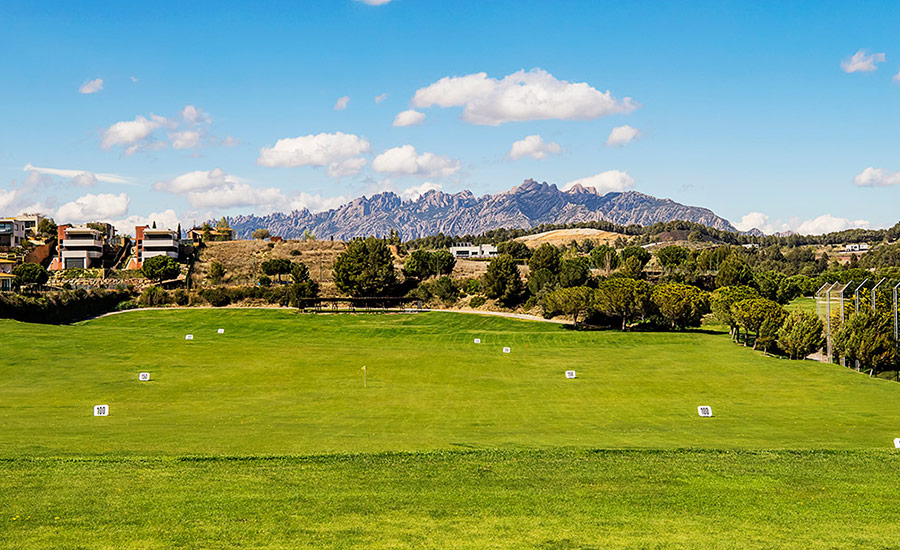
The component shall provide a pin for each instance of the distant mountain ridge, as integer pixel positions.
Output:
(525, 206)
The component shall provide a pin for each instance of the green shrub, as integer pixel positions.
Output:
(477, 301)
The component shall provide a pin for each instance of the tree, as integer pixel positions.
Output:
(672, 256)
(516, 249)
(605, 257)
(444, 262)
(160, 268)
(638, 252)
(541, 279)
(502, 280)
(30, 274)
(276, 267)
(207, 232)
(574, 272)
(546, 256)
(801, 334)
(222, 224)
(867, 338)
(308, 235)
(623, 298)
(216, 271)
(418, 265)
(723, 298)
(681, 305)
(770, 284)
(574, 301)
(47, 227)
(734, 272)
(366, 268)
(763, 317)
(303, 287)
(632, 268)
(261, 234)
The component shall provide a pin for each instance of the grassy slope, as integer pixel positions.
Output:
(281, 382)
(514, 499)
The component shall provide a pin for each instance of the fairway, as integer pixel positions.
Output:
(264, 437)
(280, 382)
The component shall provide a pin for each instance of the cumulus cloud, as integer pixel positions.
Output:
(862, 61)
(341, 103)
(188, 139)
(130, 132)
(621, 135)
(405, 161)
(90, 207)
(534, 147)
(9, 198)
(825, 223)
(316, 203)
(233, 194)
(91, 86)
(521, 96)
(381, 97)
(416, 191)
(409, 118)
(338, 151)
(167, 219)
(196, 181)
(604, 182)
(876, 177)
(195, 115)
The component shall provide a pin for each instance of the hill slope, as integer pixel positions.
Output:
(525, 206)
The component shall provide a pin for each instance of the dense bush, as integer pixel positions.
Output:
(60, 307)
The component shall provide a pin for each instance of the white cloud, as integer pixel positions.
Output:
(85, 179)
(534, 147)
(405, 161)
(347, 167)
(234, 194)
(91, 86)
(9, 198)
(416, 191)
(521, 96)
(188, 139)
(861, 61)
(341, 103)
(194, 115)
(90, 207)
(604, 182)
(876, 177)
(340, 152)
(621, 135)
(409, 118)
(825, 223)
(316, 203)
(374, 2)
(133, 78)
(229, 141)
(381, 97)
(896, 77)
(106, 178)
(196, 181)
(131, 132)
(166, 219)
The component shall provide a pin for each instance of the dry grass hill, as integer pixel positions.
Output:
(562, 237)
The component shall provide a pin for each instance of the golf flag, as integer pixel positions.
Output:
(364, 375)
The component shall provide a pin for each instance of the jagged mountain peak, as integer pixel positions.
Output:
(524, 206)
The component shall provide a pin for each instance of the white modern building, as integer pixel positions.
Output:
(31, 221)
(856, 247)
(12, 232)
(474, 251)
(81, 247)
(153, 242)
(6, 276)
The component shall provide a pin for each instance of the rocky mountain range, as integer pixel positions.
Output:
(525, 206)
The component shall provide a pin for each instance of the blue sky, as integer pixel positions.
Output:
(781, 115)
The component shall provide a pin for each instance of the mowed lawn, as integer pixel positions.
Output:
(264, 437)
(280, 382)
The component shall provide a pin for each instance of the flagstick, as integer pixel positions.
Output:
(364, 376)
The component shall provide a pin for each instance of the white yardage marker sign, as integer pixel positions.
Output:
(101, 410)
(897, 442)
(221, 331)
(478, 340)
(144, 377)
(704, 411)
(505, 350)
(570, 374)
(188, 336)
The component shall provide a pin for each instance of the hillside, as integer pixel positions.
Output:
(528, 205)
(562, 237)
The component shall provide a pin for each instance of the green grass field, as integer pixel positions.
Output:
(264, 437)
